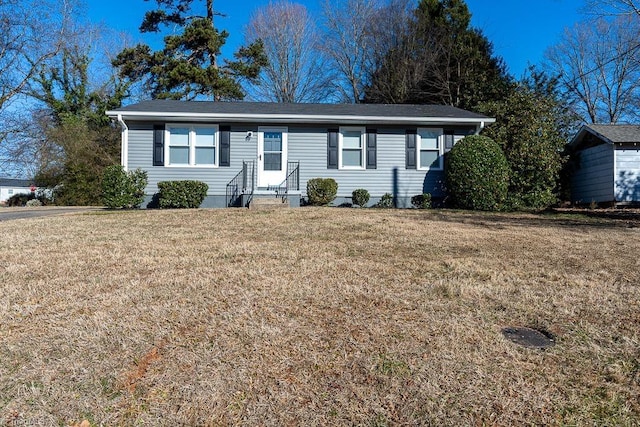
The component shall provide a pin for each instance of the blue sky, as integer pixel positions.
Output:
(520, 30)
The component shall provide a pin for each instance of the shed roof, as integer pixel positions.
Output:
(611, 134)
(297, 113)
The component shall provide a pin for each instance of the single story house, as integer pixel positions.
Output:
(10, 187)
(607, 164)
(244, 150)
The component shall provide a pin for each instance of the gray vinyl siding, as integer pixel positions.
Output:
(307, 145)
(593, 181)
(627, 179)
(141, 152)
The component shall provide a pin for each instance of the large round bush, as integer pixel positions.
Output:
(477, 174)
(321, 191)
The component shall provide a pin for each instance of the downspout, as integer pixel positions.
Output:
(479, 127)
(124, 145)
(615, 174)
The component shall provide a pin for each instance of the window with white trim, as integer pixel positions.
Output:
(429, 145)
(195, 145)
(352, 145)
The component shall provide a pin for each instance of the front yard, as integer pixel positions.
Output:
(318, 316)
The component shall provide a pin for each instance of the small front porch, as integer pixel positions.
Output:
(243, 189)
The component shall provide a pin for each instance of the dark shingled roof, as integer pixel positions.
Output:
(617, 134)
(11, 182)
(265, 108)
(591, 135)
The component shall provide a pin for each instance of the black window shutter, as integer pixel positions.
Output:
(158, 145)
(225, 146)
(372, 148)
(448, 140)
(332, 149)
(411, 149)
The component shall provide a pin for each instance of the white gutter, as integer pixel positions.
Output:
(298, 118)
(124, 145)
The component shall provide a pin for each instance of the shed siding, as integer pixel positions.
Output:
(627, 179)
(307, 145)
(593, 181)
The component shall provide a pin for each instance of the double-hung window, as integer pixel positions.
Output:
(195, 145)
(429, 145)
(352, 147)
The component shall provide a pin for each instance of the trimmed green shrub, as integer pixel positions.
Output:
(321, 191)
(360, 197)
(122, 189)
(20, 199)
(477, 174)
(181, 194)
(422, 201)
(386, 201)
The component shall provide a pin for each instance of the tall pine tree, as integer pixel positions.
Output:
(188, 67)
(440, 60)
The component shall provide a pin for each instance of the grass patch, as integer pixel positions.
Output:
(388, 365)
(318, 316)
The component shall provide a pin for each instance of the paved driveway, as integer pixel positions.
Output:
(8, 214)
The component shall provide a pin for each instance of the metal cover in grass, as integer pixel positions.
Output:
(528, 337)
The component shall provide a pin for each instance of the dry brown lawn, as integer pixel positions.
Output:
(318, 316)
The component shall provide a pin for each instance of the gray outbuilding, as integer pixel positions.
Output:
(607, 165)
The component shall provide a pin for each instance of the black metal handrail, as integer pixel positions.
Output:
(293, 176)
(290, 183)
(233, 189)
(242, 183)
(249, 179)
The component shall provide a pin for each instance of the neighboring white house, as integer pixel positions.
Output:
(10, 187)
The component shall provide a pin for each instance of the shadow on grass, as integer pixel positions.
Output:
(564, 218)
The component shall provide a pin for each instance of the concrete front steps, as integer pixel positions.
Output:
(267, 203)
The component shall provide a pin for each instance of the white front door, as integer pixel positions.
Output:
(272, 156)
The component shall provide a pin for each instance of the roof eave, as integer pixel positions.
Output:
(584, 130)
(297, 118)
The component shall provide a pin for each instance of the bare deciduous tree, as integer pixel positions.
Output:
(296, 71)
(69, 81)
(27, 29)
(28, 150)
(599, 67)
(393, 39)
(348, 42)
(30, 31)
(613, 7)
